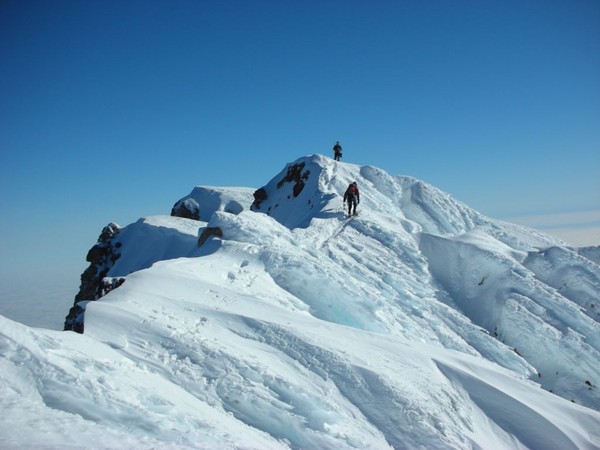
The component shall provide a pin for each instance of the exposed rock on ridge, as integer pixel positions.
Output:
(104, 272)
(208, 232)
(296, 175)
(102, 256)
(187, 208)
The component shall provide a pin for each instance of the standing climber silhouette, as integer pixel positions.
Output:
(337, 151)
(352, 196)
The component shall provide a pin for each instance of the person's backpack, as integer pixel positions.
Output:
(350, 192)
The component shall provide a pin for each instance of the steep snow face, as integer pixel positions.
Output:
(152, 239)
(485, 280)
(419, 264)
(591, 253)
(418, 323)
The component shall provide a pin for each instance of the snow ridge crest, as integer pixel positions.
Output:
(297, 321)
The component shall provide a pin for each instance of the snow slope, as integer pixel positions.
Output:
(418, 323)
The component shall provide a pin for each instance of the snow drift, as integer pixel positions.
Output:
(419, 323)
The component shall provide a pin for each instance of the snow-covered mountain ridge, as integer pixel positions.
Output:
(419, 323)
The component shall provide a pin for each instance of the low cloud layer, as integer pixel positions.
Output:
(580, 229)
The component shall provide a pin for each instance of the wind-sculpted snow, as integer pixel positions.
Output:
(212, 199)
(591, 253)
(418, 323)
(153, 239)
(487, 283)
(576, 278)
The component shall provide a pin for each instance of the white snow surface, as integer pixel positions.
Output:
(213, 198)
(419, 323)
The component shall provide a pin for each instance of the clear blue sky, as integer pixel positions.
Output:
(113, 110)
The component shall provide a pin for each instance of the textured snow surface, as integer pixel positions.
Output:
(418, 323)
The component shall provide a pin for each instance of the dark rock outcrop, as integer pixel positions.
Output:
(208, 232)
(296, 176)
(108, 284)
(94, 281)
(74, 320)
(187, 209)
(260, 195)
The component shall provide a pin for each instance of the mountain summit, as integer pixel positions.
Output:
(268, 319)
